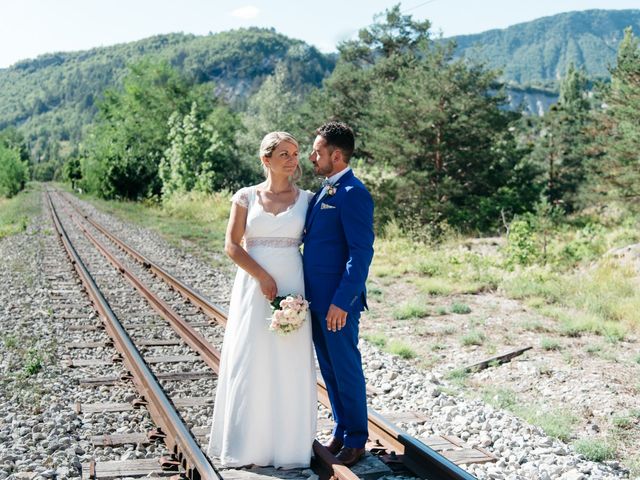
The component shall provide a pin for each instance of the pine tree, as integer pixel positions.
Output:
(563, 142)
(620, 168)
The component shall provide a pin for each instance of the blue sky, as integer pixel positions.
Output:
(29, 28)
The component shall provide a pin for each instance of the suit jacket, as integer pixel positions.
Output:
(338, 247)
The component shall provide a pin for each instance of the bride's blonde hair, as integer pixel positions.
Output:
(270, 142)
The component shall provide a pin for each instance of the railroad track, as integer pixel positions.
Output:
(387, 442)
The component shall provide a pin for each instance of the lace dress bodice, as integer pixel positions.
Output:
(265, 229)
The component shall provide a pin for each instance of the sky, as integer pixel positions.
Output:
(29, 28)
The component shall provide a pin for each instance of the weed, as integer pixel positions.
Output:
(458, 376)
(499, 397)
(401, 349)
(410, 310)
(10, 342)
(623, 422)
(593, 349)
(377, 339)
(472, 338)
(596, 449)
(533, 326)
(460, 308)
(549, 344)
(555, 423)
(33, 362)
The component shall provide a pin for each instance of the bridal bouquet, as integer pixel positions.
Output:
(288, 313)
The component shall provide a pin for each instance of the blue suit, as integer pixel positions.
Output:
(338, 248)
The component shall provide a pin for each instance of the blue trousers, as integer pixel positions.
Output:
(341, 368)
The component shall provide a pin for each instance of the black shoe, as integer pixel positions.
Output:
(350, 456)
(334, 445)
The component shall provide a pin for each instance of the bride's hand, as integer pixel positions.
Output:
(268, 287)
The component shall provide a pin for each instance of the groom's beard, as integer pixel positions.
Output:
(322, 171)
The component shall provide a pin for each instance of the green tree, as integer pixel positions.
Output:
(202, 151)
(14, 171)
(563, 144)
(131, 135)
(271, 108)
(619, 169)
(72, 170)
(436, 122)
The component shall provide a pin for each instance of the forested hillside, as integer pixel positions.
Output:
(52, 99)
(538, 53)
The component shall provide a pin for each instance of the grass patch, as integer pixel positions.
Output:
(593, 349)
(458, 376)
(637, 359)
(448, 330)
(197, 218)
(409, 310)
(16, 212)
(374, 292)
(33, 362)
(555, 423)
(499, 397)
(10, 342)
(401, 349)
(533, 326)
(377, 339)
(460, 308)
(549, 344)
(623, 422)
(596, 449)
(472, 338)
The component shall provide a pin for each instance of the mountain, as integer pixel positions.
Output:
(52, 99)
(538, 53)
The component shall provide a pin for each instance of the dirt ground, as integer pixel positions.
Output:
(590, 379)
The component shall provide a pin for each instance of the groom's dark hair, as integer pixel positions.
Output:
(338, 135)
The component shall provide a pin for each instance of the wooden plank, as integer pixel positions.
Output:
(104, 407)
(437, 443)
(405, 417)
(125, 407)
(160, 376)
(73, 316)
(80, 345)
(146, 343)
(466, 455)
(496, 360)
(93, 362)
(119, 439)
(141, 467)
(85, 328)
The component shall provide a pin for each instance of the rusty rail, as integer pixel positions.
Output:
(179, 438)
(417, 457)
(209, 353)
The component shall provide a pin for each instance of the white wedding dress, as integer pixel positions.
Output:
(266, 406)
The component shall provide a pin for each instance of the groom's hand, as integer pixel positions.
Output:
(336, 318)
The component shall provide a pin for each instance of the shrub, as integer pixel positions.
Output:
(596, 450)
(460, 308)
(13, 172)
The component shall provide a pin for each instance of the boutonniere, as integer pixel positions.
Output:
(331, 189)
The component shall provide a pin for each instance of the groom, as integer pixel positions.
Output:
(338, 248)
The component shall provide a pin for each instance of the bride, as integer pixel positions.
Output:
(266, 407)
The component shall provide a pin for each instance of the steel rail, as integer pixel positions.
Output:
(179, 438)
(209, 353)
(418, 457)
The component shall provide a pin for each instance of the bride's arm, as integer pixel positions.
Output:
(233, 248)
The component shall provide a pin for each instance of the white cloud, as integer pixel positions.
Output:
(246, 13)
